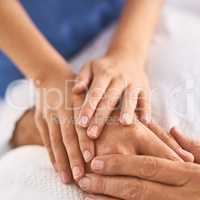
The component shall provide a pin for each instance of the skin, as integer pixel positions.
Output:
(120, 74)
(50, 72)
(39, 61)
(145, 177)
(116, 139)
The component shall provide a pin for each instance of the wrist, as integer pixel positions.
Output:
(52, 71)
(133, 57)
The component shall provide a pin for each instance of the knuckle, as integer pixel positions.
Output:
(62, 164)
(150, 168)
(56, 140)
(113, 164)
(106, 72)
(85, 142)
(100, 63)
(95, 92)
(68, 136)
(108, 103)
(121, 78)
(100, 185)
(106, 149)
(135, 190)
(188, 169)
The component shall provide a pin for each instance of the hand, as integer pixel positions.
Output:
(134, 139)
(109, 79)
(190, 145)
(153, 178)
(54, 119)
(143, 178)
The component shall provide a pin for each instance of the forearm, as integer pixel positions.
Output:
(136, 28)
(24, 44)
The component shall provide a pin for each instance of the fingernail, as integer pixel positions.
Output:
(87, 156)
(76, 173)
(177, 131)
(146, 119)
(64, 177)
(80, 86)
(84, 184)
(187, 156)
(126, 119)
(93, 131)
(97, 165)
(83, 121)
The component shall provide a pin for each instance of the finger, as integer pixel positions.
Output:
(83, 80)
(171, 142)
(190, 145)
(98, 88)
(144, 106)
(105, 108)
(129, 104)
(99, 197)
(144, 167)
(86, 144)
(127, 188)
(70, 141)
(151, 145)
(58, 148)
(43, 130)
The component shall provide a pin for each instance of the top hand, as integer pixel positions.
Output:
(109, 79)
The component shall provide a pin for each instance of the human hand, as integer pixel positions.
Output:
(143, 177)
(109, 79)
(54, 119)
(134, 139)
(140, 177)
(187, 143)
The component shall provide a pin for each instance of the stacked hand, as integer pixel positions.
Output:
(142, 177)
(111, 79)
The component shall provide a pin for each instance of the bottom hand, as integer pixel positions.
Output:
(143, 177)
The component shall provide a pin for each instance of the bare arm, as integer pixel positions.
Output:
(121, 70)
(38, 60)
(136, 28)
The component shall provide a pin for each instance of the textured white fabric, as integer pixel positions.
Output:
(26, 174)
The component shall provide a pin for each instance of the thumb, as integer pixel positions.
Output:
(189, 144)
(83, 79)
